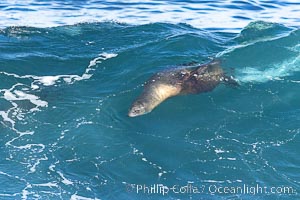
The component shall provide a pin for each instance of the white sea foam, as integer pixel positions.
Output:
(39, 147)
(64, 179)
(20, 92)
(138, 153)
(219, 151)
(5, 117)
(52, 166)
(37, 162)
(14, 95)
(49, 184)
(24, 98)
(48, 80)
(276, 72)
(52, 80)
(18, 95)
(77, 197)
(25, 191)
(295, 81)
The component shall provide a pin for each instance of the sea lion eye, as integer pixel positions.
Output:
(138, 109)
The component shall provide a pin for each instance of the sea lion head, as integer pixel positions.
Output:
(138, 108)
(152, 96)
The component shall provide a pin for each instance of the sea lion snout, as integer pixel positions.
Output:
(137, 109)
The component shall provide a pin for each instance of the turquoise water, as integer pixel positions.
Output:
(66, 90)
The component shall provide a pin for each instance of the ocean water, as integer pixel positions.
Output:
(66, 88)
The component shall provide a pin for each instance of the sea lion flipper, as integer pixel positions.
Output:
(230, 81)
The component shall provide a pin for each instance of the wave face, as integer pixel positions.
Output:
(66, 90)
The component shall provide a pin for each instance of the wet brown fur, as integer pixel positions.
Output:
(193, 80)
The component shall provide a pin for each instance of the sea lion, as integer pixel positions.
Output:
(184, 80)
